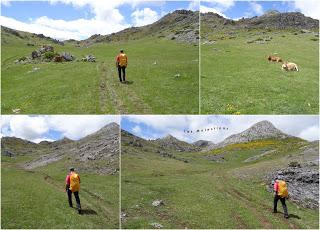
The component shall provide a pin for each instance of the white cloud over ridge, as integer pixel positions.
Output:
(107, 19)
(306, 127)
(37, 128)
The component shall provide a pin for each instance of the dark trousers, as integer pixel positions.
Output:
(283, 202)
(123, 68)
(76, 195)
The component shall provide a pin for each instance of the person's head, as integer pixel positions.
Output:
(71, 169)
(121, 50)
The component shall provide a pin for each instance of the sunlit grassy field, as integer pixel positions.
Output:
(162, 78)
(236, 77)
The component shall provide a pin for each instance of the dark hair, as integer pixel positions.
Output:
(121, 51)
(72, 169)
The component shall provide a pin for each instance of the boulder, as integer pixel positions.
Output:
(67, 56)
(35, 54)
(58, 58)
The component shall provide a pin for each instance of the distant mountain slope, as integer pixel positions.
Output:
(173, 143)
(270, 20)
(180, 25)
(98, 152)
(259, 131)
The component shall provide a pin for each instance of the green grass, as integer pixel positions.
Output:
(93, 88)
(205, 194)
(236, 77)
(37, 199)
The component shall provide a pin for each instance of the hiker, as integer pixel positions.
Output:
(73, 186)
(121, 64)
(280, 193)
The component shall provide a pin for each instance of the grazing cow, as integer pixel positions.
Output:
(58, 58)
(274, 58)
(289, 66)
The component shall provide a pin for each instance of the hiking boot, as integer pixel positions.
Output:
(286, 216)
(275, 211)
(79, 211)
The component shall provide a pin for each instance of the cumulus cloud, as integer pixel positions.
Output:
(310, 8)
(38, 128)
(256, 8)
(305, 127)
(144, 17)
(205, 9)
(107, 19)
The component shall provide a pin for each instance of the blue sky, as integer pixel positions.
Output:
(53, 127)
(64, 19)
(238, 9)
(157, 126)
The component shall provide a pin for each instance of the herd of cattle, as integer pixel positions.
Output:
(288, 66)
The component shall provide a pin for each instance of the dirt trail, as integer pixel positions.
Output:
(92, 201)
(113, 91)
(255, 207)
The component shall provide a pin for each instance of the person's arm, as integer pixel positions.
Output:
(275, 188)
(67, 182)
(79, 179)
(126, 60)
(117, 61)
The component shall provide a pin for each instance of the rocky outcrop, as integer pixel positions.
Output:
(203, 143)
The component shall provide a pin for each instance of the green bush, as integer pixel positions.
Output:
(49, 55)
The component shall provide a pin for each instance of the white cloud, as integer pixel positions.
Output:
(310, 133)
(137, 130)
(257, 8)
(37, 128)
(144, 17)
(107, 19)
(194, 5)
(205, 9)
(310, 8)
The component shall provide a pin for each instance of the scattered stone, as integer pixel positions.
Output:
(156, 225)
(157, 203)
(155, 63)
(16, 110)
(294, 164)
(305, 31)
(67, 56)
(89, 58)
(35, 54)
(46, 48)
(177, 75)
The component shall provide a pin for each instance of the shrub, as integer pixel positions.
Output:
(49, 55)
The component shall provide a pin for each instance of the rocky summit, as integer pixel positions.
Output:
(259, 131)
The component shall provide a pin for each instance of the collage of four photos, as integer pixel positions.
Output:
(160, 114)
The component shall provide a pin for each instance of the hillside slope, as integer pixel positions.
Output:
(189, 189)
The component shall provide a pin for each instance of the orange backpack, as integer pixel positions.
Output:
(74, 182)
(282, 189)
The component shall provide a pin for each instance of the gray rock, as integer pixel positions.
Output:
(157, 203)
(67, 56)
(156, 225)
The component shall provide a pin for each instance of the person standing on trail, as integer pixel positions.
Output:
(121, 64)
(73, 186)
(280, 193)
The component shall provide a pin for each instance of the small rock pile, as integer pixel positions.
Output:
(89, 58)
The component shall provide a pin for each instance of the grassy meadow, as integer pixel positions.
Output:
(236, 77)
(37, 198)
(206, 194)
(94, 88)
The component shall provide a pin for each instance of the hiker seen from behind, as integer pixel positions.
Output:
(73, 186)
(121, 64)
(280, 193)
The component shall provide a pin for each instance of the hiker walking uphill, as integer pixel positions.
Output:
(73, 186)
(280, 193)
(121, 64)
